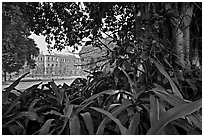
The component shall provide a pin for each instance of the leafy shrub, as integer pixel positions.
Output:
(114, 103)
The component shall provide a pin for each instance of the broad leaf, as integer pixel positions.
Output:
(115, 113)
(46, 127)
(175, 113)
(88, 122)
(56, 90)
(173, 100)
(154, 110)
(30, 115)
(196, 119)
(33, 87)
(123, 129)
(74, 125)
(109, 92)
(132, 84)
(68, 110)
(6, 93)
(162, 70)
(170, 98)
(32, 104)
(112, 106)
(12, 105)
(133, 126)
(123, 118)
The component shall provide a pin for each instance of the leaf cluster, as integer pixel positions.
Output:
(17, 47)
(106, 105)
(146, 91)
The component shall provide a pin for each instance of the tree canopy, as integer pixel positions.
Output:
(140, 24)
(154, 85)
(17, 47)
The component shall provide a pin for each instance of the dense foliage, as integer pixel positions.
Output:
(141, 24)
(17, 47)
(148, 90)
(111, 104)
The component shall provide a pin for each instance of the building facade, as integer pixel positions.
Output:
(56, 65)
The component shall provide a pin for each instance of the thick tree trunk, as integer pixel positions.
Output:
(181, 35)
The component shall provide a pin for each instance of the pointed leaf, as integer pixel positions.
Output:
(32, 104)
(109, 92)
(129, 79)
(162, 70)
(30, 115)
(133, 85)
(174, 101)
(196, 119)
(175, 113)
(13, 104)
(112, 106)
(123, 118)
(53, 112)
(154, 110)
(6, 93)
(68, 113)
(64, 125)
(115, 113)
(56, 90)
(46, 127)
(74, 125)
(80, 108)
(123, 129)
(88, 122)
(170, 98)
(31, 88)
(133, 127)
(68, 110)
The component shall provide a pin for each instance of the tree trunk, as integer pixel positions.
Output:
(188, 12)
(181, 34)
(4, 75)
(179, 46)
(10, 76)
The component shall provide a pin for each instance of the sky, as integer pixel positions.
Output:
(42, 45)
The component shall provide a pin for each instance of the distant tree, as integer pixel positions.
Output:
(17, 47)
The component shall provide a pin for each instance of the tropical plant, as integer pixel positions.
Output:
(100, 106)
(150, 88)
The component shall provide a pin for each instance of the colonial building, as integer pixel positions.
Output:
(56, 65)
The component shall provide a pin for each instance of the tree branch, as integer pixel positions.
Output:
(105, 45)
